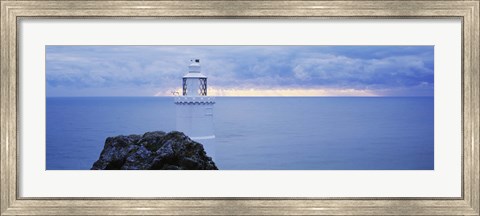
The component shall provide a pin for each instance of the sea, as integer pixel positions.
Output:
(258, 133)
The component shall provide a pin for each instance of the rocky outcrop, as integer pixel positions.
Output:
(153, 151)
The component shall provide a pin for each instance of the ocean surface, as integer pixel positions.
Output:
(258, 133)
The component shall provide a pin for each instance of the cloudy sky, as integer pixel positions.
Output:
(242, 70)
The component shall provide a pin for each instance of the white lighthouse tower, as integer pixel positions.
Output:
(195, 108)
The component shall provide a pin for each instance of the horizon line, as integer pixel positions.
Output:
(346, 96)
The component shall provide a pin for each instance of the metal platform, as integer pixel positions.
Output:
(195, 100)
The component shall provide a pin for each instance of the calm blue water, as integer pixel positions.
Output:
(324, 133)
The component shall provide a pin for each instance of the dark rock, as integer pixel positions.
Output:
(153, 150)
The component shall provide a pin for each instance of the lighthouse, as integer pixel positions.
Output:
(195, 108)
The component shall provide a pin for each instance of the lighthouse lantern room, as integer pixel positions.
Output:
(194, 83)
(194, 108)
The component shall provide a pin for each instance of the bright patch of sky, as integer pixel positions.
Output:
(242, 70)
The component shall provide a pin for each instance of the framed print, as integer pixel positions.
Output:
(239, 107)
